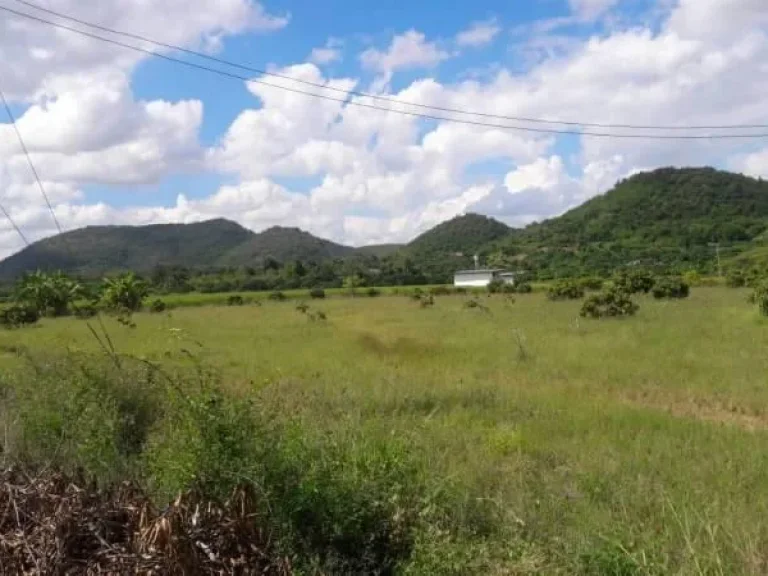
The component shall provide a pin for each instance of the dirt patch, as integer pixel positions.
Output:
(705, 409)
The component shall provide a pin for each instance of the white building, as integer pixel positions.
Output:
(481, 277)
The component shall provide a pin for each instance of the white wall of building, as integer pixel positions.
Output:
(476, 279)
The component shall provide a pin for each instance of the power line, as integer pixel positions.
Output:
(375, 96)
(232, 75)
(29, 161)
(15, 226)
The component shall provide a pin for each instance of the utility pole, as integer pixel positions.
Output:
(716, 245)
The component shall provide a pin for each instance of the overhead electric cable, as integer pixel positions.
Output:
(29, 161)
(377, 96)
(348, 102)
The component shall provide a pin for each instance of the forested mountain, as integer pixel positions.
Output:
(97, 250)
(283, 245)
(668, 218)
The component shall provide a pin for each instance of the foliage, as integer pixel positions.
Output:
(634, 281)
(735, 279)
(373, 292)
(692, 278)
(49, 294)
(85, 310)
(613, 302)
(352, 283)
(317, 293)
(277, 296)
(670, 287)
(157, 306)
(591, 283)
(124, 292)
(427, 301)
(17, 315)
(759, 296)
(523, 288)
(235, 300)
(565, 290)
(499, 286)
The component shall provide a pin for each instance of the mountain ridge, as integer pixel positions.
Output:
(667, 216)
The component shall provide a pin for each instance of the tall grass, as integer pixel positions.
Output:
(431, 441)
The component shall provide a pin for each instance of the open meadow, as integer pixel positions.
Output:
(513, 437)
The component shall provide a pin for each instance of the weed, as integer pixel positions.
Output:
(317, 293)
(157, 306)
(235, 300)
(277, 296)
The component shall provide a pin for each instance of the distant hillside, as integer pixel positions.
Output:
(463, 234)
(98, 249)
(669, 205)
(379, 250)
(283, 244)
(666, 218)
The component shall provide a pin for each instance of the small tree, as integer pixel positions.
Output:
(610, 303)
(49, 294)
(565, 290)
(670, 287)
(124, 293)
(352, 283)
(634, 281)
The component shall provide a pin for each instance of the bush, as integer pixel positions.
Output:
(317, 293)
(302, 307)
(759, 296)
(692, 278)
(85, 311)
(565, 290)
(157, 306)
(427, 301)
(277, 296)
(735, 279)
(609, 303)
(235, 300)
(591, 283)
(372, 292)
(523, 288)
(634, 281)
(18, 315)
(670, 287)
(499, 286)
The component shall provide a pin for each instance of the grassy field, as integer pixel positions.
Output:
(560, 445)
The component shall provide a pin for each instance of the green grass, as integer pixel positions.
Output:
(560, 444)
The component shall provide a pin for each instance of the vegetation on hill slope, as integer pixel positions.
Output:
(283, 245)
(665, 220)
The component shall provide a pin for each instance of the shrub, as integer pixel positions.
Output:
(277, 296)
(302, 307)
(670, 287)
(692, 278)
(317, 293)
(498, 286)
(591, 283)
(634, 281)
(523, 288)
(372, 292)
(157, 306)
(565, 290)
(735, 279)
(18, 315)
(427, 301)
(613, 302)
(85, 311)
(126, 292)
(235, 300)
(759, 296)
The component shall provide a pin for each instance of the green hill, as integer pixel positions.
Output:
(283, 245)
(96, 250)
(666, 218)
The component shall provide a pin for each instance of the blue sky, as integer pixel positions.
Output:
(125, 138)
